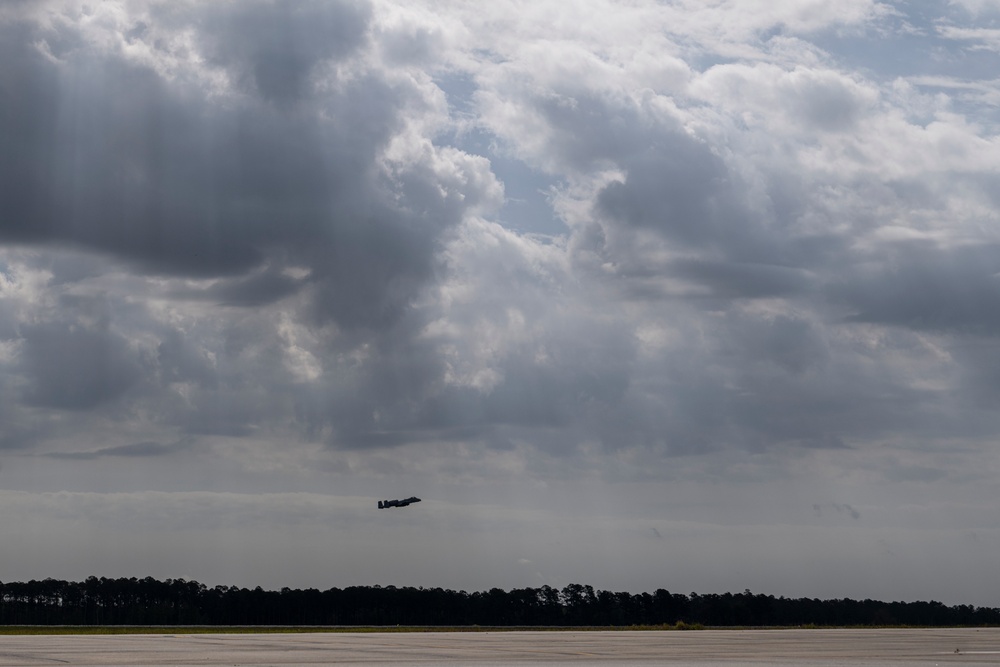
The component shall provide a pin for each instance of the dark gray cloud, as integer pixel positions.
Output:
(275, 189)
(75, 367)
(257, 288)
(135, 449)
(108, 154)
(679, 188)
(16, 436)
(590, 129)
(272, 48)
(920, 286)
(682, 215)
(107, 167)
(792, 344)
(180, 361)
(733, 280)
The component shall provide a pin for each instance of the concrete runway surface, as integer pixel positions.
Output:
(817, 648)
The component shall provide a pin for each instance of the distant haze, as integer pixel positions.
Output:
(701, 296)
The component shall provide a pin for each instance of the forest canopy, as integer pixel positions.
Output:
(148, 601)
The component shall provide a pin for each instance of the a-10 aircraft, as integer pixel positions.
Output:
(382, 504)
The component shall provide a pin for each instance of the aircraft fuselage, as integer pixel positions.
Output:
(383, 504)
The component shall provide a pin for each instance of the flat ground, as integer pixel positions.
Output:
(825, 648)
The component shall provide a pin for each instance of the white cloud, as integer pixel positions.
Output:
(977, 6)
(984, 38)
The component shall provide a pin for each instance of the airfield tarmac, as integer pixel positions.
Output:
(815, 648)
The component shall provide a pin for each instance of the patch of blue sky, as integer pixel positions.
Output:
(527, 208)
(910, 43)
(935, 46)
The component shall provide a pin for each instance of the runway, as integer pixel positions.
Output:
(731, 648)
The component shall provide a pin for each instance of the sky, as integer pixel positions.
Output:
(701, 295)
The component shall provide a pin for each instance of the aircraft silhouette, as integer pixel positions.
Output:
(383, 504)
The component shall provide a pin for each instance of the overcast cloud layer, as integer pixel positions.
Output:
(692, 295)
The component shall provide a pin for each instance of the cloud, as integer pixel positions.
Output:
(77, 368)
(273, 50)
(987, 38)
(932, 289)
(148, 166)
(977, 6)
(323, 264)
(758, 261)
(135, 449)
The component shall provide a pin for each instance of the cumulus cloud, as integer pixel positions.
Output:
(282, 164)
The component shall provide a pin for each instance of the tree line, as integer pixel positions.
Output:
(132, 601)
